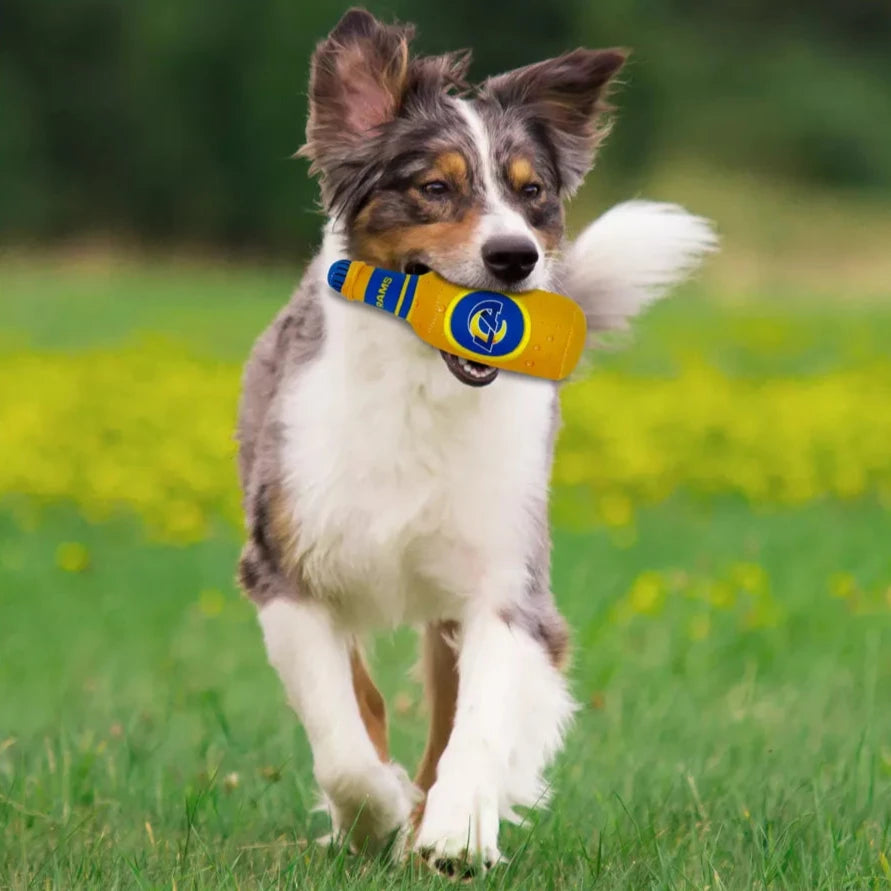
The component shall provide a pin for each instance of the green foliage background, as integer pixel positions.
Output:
(175, 120)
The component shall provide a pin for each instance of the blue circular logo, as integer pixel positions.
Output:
(487, 323)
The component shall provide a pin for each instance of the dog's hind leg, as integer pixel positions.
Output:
(369, 797)
(512, 710)
(440, 665)
(371, 704)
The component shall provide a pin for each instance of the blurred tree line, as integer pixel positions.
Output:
(176, 119)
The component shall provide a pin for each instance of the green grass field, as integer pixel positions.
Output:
(732, 649)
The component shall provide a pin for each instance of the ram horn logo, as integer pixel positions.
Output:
(485, 324)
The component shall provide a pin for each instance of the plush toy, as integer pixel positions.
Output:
(536, 332)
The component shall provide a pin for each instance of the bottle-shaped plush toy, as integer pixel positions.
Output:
(536, 332)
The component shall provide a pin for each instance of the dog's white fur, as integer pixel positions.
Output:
(632, 256)
(499, 218)
(386, 456)
(513, 708)
(311, 654)
(415, 542)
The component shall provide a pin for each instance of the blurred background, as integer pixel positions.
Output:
(172, 123)
(721, 493)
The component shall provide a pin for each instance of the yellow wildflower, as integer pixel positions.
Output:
(71, 556)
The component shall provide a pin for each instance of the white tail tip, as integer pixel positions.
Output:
(632, 256)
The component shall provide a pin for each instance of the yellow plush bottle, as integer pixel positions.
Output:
(536, 332)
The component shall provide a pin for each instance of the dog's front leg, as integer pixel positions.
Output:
(512, 709)
(368, 797)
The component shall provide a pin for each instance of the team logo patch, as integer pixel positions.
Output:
(488, 324)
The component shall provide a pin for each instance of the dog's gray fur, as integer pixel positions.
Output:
(549, 112)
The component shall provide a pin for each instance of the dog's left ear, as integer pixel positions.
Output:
(567, 96)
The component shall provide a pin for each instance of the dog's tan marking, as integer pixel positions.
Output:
(364, 216)
(440, 665)
(558, 649)
(392, 247)
(520, 173)
(282, 530)
(371, 705)
(551, 235)
(450, 166)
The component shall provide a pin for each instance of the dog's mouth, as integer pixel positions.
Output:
(474, 374)
(468, 371)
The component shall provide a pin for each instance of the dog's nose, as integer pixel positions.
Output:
(510, 257)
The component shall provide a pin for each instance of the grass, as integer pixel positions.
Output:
(731, 658)
(147, 742)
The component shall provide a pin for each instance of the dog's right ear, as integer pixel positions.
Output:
(358, 76)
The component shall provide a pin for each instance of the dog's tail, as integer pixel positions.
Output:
(630, 257)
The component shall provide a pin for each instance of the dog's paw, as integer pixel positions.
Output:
(368, 804)
(458, 835)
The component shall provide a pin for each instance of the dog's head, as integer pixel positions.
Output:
(422, 174)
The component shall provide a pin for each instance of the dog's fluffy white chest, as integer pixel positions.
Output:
(411, 491)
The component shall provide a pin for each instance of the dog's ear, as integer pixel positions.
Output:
(567, 96)
(361, 79)
(357, 79)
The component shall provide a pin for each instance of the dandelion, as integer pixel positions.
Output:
(148, 430)
(750, 577)
(71, 556)
(842, 585)
(616, 509)
(647, 594)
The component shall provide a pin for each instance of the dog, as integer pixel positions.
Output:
(385, 483)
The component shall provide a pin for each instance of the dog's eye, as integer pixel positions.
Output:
(435, 189)
(531, 190)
